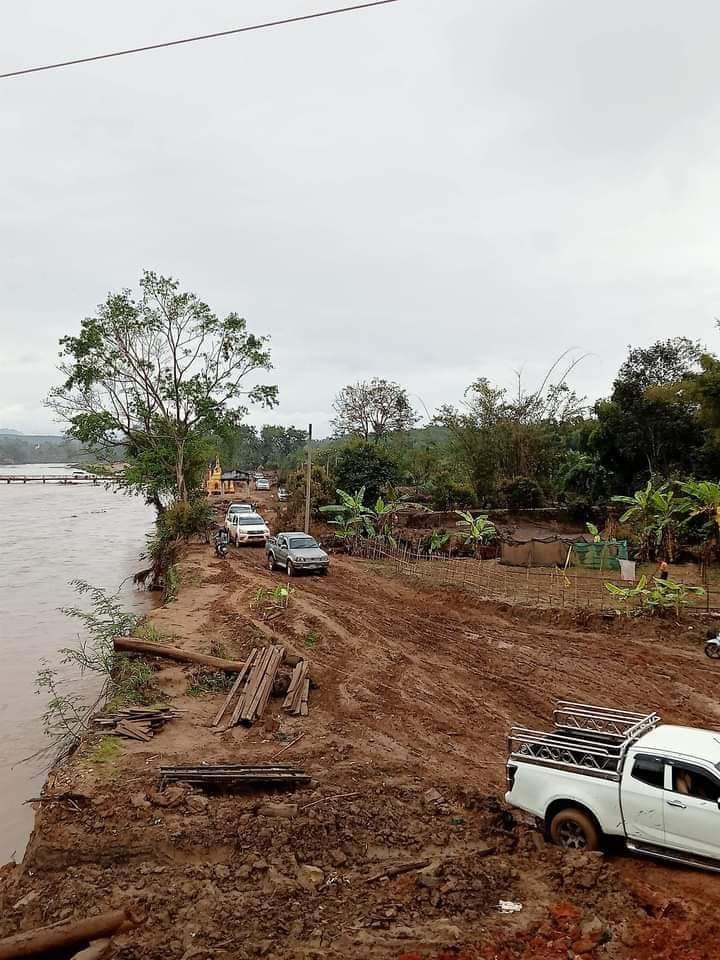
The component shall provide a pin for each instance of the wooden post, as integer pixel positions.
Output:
(308, 479)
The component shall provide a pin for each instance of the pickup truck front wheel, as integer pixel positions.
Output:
(574, 830)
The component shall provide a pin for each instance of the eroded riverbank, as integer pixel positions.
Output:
(404, 742)
(50, 535)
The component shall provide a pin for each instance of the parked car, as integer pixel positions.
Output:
(262, 483)
(282, 494)
(603, 773)
(247, 528)
(296, 552)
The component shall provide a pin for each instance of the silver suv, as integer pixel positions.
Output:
(296, 552)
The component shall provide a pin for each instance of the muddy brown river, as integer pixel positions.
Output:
(49, 535)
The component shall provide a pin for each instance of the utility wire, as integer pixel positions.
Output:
(204, 36)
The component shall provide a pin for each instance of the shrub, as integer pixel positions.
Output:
(522, 493)
(449, 493)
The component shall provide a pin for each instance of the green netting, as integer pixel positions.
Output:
(603, 555)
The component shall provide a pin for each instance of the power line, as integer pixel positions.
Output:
(204, 36)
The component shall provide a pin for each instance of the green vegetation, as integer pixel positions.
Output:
(312, 640)
(660, 598)
(372, 409)
(477, 530)
(277, 598)
(105, 752)
(124, 679)
(157, 374)
(203, 681)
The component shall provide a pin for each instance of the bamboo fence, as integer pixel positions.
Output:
(548, 588)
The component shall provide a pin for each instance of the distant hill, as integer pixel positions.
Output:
(16, 447)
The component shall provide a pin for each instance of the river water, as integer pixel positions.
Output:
(51, 534)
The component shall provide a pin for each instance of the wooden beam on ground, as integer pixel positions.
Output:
(149, 649)
(41, 941)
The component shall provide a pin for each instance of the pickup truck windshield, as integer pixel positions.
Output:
(248, 520)
(302, 543)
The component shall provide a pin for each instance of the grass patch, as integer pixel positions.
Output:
(148, 631)
(172, 583)
(204, 681)
(105, 752)
(312, 640)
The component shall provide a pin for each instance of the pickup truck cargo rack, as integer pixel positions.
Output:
(586, 739)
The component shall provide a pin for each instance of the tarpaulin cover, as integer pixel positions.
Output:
(604, 554)
(536, 553)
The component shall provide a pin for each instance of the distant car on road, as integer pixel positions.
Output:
(282, 494)
(247, 528)
(296, 552)
(262, 483)
(239, 508)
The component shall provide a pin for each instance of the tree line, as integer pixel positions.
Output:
(160, 377)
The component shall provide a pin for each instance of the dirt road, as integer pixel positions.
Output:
(415, 692)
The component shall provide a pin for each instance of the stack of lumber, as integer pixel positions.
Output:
(229, 775)
(296, 701)
(137, 723)
(252, 688)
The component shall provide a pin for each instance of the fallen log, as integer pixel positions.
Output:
(398, 869)
(150, 649)
(75, 933)
(96, 950)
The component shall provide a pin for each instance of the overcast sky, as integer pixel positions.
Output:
(430, 191)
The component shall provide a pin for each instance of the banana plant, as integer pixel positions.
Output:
(702, 499)
(437, 540)
(655, 512)
(627, 595)
(478, 530)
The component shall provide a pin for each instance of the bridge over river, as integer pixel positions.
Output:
(68, 478)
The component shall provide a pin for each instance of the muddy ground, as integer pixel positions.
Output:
(405, 742)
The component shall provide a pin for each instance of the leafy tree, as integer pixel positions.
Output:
(276, 444)
(155, 374)
(361, 464)
(498, 437)
(372, 408)
(583, 482)
(644, 428)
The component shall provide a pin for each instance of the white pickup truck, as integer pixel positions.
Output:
(603, 773)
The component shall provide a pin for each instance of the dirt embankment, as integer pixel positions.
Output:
(415, 692)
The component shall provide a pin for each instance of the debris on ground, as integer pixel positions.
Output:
(230, 776)
(136, 723)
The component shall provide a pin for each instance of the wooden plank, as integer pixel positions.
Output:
(304, 701)
(270, 668)
(296, 682)
(254, 677)
(236, 686)
(132, 730)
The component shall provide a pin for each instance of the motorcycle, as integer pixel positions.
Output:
(712, 647)
(221, 540)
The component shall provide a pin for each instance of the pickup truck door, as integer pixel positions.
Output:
(692, 817)
(642, 798)
(281, 550)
